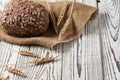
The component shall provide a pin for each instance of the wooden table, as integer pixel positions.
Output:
(93, 56)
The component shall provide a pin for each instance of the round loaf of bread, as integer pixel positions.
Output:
(25, 19)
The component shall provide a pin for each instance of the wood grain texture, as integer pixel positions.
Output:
(110, 29)
(91, 57)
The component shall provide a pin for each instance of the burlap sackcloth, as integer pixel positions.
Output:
(81, 14)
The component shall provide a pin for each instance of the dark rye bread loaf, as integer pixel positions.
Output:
(25, 19)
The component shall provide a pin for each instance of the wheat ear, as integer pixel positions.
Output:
(28, 53)
(43, 60)
(52, 16)
(24, 53)
(62, 14)
(36, 61)
(14, 71)
(70, 16)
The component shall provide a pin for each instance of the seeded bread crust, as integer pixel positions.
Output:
(25, 19)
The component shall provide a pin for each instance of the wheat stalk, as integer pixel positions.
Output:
(28, 53)
(72, 8)
(43, 60)
(52, 16)
(36, 61)
(4, 78)
(69, 20)
(23, 52)
(62, 14)
(8, 48)
(15, 71)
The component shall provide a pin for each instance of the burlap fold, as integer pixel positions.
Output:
(81, 14)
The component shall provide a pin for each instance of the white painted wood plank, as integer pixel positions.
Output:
(91, 51)
(110, 30)
(8, 57)
(82, 54)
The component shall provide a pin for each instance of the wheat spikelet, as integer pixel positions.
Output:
(52, 16)
(25, 53)
(61, 15)
(15, 71)
(43, 60)
(69, 20)
(28, 53)
(4, 78)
